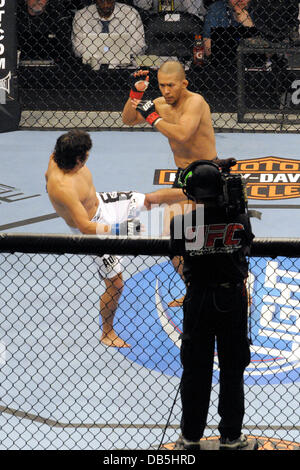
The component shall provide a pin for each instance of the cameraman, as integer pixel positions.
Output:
(215, 306)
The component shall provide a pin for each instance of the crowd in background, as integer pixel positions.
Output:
(47, 29)
(81, 37)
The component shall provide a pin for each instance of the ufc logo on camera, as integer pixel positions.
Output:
(213, 238)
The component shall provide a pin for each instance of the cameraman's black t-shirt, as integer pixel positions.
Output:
(219, 257)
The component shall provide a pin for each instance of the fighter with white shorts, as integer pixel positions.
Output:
(114, 209)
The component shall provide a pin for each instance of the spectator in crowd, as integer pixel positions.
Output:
(36, 7)
(194, 7)
(106, 16)
(226, 14)
(40, 27)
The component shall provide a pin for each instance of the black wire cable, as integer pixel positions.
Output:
(169, 418)
(176, 396)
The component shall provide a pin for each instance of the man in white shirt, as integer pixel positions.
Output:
(106, 17)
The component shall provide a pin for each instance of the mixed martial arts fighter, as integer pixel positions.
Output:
(183, 117)
(73, 195)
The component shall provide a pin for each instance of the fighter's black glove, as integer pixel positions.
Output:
(128, 227)
(147, 110)
(139, 82)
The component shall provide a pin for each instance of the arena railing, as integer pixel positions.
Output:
(61, 388)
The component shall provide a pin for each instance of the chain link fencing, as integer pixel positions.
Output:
(61, 388)
(73, 73)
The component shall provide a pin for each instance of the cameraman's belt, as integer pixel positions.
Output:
(225, 285)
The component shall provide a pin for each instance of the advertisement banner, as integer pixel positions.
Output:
(9, 106)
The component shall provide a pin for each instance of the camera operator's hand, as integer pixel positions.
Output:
(139, 82)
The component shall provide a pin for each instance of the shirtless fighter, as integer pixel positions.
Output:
(72, 193)
(182, 116)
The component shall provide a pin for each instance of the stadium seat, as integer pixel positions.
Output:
(172, 34)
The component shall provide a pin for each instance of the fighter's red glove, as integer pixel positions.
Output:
(139, 82)
(147, 110)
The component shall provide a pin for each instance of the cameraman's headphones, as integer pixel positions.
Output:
(201, 180)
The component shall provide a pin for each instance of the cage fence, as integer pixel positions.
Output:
(61, 388)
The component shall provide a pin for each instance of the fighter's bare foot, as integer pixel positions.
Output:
(176, 302)
(114, 341)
